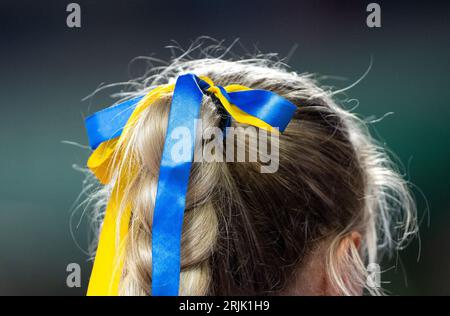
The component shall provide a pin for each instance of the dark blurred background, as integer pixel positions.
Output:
(46, 69)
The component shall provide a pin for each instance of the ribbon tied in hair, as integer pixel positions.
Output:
(106, 128)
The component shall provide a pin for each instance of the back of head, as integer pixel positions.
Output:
(247, 232)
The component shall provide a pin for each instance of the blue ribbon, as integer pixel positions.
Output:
(265, 105)
(174, 173)
(172, 187)
(109, 123)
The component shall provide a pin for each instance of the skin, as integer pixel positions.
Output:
(312, 279)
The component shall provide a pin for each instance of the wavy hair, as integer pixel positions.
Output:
(249, 233)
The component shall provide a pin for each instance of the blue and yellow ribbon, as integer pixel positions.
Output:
(106, 128)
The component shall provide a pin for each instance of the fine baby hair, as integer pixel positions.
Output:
(333, 205)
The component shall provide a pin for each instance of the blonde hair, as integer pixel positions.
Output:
(249, 233)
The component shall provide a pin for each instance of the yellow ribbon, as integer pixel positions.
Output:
(108, 265)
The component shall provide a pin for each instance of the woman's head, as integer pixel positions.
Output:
(310, 227)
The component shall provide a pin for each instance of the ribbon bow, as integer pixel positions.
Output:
(106, 128)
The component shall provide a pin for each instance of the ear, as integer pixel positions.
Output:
(347, 243)
(355, 238)
(348, 247)
(312, 277)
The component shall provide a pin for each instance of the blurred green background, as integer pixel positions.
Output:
(46, 69)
